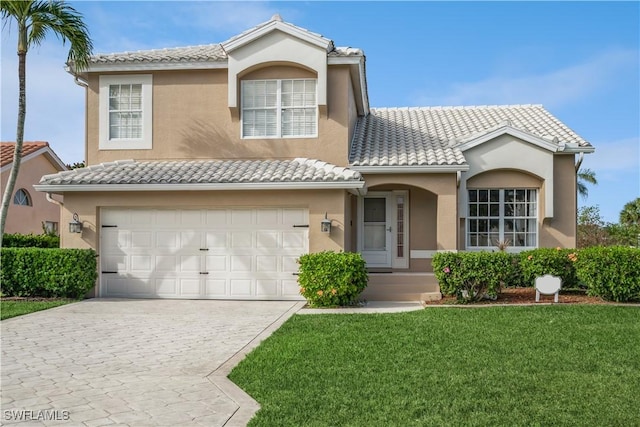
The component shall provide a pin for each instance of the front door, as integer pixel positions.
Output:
(377, 228)
(383, 219)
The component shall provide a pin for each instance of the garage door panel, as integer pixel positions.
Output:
(141, 263)
(240, 287)
(167, 287)
(190, 287)
(267, 217)
(242, 217)
(216, 288)
(216, 240)
(290, 288)
(291, 217)
(241, 263)
(268, 239)
(241, 239)
(294, 240)
(166, 263)
(216, 263)
(217, 253)
(265, 288)
(190, 264)
(266, 264)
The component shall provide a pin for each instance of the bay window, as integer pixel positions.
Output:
(502, 216)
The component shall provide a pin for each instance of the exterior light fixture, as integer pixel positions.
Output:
(75, 226)
(325, 225)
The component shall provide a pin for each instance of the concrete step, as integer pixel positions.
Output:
(402, 287)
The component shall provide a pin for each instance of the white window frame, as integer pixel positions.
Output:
(146, 141)
(501, 220)
(279, 110)
(22, 198)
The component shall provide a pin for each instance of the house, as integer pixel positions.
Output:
(212, 168)
(29, 211)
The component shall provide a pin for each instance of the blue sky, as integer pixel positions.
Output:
(579, 59)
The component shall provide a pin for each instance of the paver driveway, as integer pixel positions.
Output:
(129, 362)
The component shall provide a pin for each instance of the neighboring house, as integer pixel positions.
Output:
(211, 169)
(29, 210)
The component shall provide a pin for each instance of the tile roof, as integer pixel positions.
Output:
(431, 136)
(205, 172)
(203, 53)
(7, 149)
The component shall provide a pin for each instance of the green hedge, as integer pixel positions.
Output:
(557, 262)
(330, 279)
(471, 276)
(611, 272)
(30, 241)
(37, 272)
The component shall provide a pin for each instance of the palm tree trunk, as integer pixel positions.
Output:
(22, 113)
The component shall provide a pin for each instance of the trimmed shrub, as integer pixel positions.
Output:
(611, 272)
(557, 262)
(471, 276)
(30, 241)
(48, 273)
(330, 279)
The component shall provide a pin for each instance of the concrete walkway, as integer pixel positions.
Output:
(133, 362)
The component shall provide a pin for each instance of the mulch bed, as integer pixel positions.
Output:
(528, 296)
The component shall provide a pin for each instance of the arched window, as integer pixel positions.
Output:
(22, 198)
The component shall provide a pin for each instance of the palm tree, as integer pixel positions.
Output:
(630, 214)
(586, 176)
(35, 19)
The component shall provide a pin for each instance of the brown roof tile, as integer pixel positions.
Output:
(7, 149)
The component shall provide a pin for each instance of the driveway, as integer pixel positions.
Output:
(133, 362)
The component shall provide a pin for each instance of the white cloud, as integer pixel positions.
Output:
(553, 89)
(615, 156)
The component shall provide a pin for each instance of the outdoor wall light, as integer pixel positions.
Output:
(75, 226)
(325, 225)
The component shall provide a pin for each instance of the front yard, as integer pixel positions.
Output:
(18, 307)
(544, 365)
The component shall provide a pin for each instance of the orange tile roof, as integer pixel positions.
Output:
(28, 147)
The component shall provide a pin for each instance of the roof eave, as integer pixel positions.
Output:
(410, 169)
(62, 188)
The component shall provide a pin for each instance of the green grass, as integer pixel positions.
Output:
(499, 366)
(12, 308)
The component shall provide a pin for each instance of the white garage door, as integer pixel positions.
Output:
(202, 254)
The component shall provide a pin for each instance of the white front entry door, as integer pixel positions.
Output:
(202, 254)
(383, 231)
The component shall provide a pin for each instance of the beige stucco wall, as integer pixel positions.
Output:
(88, 206)
(562, 228)
(28, 219)
(433, 201)
(191, 120)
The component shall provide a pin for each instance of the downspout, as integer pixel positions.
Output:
(52, 200)
(85, 84)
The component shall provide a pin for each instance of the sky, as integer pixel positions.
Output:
(579, 59)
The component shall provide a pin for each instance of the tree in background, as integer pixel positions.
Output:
(586, 176)
(594, 231)
(630, 214)
(35, 19)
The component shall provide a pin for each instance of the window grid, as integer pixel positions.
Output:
(279, 108)
(400, 227)
(22, 198)
(502, 215)
(125, 111)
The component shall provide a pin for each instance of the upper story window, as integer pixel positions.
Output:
(22, 198)
(125, 112)
(279, 108)
(502, 215)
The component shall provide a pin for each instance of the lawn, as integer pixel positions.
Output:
(13, 308)
(517, 366)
